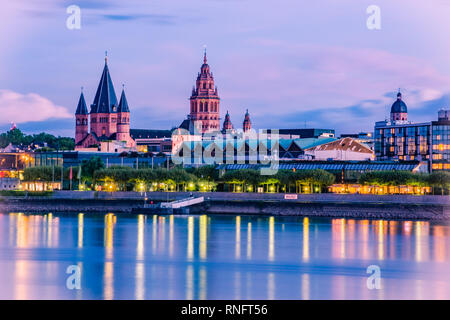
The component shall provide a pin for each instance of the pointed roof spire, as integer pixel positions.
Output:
(106, 57)
(105, 100)
(123, 104)
(227, 125)
(205, 60)
(247, 124)
(81, 108)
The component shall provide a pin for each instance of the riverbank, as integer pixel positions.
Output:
(403, 207)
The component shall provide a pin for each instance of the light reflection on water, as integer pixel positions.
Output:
(220, 257)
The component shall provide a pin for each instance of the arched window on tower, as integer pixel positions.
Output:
(206, 106)
(201, 106)
(78, 122)
(204, 85)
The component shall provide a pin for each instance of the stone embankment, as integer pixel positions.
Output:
(326, 205)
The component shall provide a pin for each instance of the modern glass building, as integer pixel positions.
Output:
(440, 140)
(406, 141)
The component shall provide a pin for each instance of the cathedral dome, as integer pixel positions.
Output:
(399, 106)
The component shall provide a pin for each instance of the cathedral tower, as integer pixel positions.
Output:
(205, 101)
(81, 120)
(104, 108)
(247, 124)
(123, 119)
(227, 125)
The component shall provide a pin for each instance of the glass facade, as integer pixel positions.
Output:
(429, 142)
(441, 145)
(403, 142)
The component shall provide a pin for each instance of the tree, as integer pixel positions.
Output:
(17, 137)
(440, 179)
(89, 167)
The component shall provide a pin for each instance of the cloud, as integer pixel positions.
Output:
(19, 108)
(149, 18)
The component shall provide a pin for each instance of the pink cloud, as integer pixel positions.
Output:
(19, 108)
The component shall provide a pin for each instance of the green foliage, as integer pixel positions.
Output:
(17, 137)
(205, 172)
(46, 174)
(284, 177)
(392, 178)
(21, 193)
(88, 167)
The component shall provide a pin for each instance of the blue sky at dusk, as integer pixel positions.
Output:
(291, 63)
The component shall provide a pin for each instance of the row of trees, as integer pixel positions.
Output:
(304, 180)
(17, 137)
(207, 178)
(437, 179)
(125, 178)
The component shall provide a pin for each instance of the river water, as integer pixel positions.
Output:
(49, 256)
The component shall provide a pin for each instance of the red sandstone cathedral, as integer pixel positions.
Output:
(106, 127)
(205, 106)
(109, 121)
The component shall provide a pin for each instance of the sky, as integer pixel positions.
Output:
(291, 63)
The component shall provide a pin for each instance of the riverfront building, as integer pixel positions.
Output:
(263, 150)
(400, 139)
(204, 115)
(106, 127)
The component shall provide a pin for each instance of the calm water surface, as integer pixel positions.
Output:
(220, 257)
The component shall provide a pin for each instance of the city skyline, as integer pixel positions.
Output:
(344, 78)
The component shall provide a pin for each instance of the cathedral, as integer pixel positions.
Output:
(108, 120)
(204, 115)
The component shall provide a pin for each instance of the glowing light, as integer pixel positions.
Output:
(190, 244)
(80, 230)
(249, 240)
(305, 239)
(271, 238)
(238, 237)
(203, 236)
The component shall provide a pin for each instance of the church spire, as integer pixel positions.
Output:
(247, 124)
(123, 104)
(81, 107)
(204, 100)
(227, 125)
(105, 100)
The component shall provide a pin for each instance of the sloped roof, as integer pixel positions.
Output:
(105, 100)
(344, 144)
(81, 108)
(123, 104)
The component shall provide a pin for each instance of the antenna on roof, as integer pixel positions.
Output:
(106, 56)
